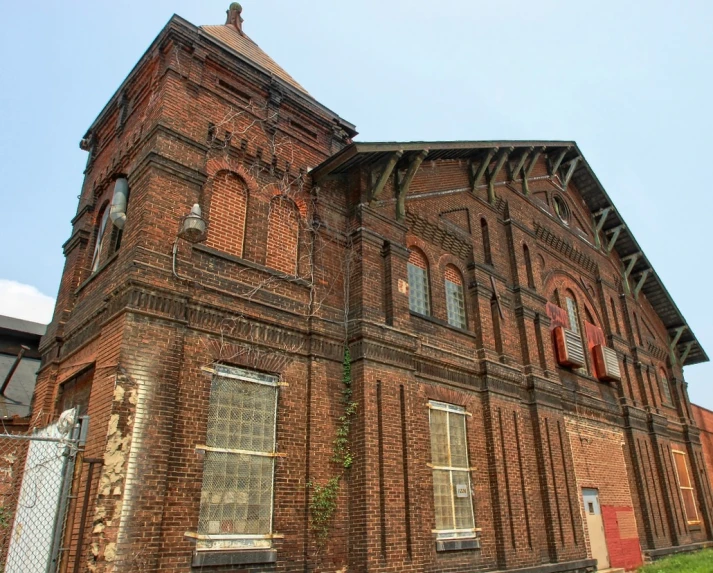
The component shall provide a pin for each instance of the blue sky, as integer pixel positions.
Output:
(629, 81)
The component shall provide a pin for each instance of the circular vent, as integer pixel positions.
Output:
(561, 209)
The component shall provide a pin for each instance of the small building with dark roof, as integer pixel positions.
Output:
(18, 338)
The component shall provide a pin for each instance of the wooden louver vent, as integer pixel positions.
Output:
(606, 363)
(568, 344)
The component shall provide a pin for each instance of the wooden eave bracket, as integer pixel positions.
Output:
(384, 177)
(615, 232)
(477, 175)
(493, 175)
(528, 170)
(404, 185)
(640, 284)
(599, 225)
(571, 168)
(558, 161)
(631, 260)
(686, 351)
(521, 163)
(674, 342)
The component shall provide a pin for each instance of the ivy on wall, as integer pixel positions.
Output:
(323, 503)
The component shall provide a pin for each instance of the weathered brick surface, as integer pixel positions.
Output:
(291, 270)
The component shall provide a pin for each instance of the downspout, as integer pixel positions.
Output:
(117, 212)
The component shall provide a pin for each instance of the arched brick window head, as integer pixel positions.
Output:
(455, 299)
(283, 233)
(418, 294)
(487, 254)
(228, 205)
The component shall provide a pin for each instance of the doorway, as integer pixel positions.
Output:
(595, 526)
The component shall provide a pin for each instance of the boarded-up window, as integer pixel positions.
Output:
(665, 388)
(455, 301)
(686, 486)
(239, 464)
(418, 296)
(487, 253)
(227, 211)
(453, 500)
(76, 392)
(283, 234)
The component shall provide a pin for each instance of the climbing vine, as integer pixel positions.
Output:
(324, 497)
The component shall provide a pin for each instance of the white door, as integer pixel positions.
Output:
(595, 526)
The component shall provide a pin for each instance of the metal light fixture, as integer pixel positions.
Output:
(193, 230)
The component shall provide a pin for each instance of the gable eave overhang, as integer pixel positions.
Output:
(595, 196)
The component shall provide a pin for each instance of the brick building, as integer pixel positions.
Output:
(358, 356)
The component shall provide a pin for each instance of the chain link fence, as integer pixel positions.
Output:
(36, 472)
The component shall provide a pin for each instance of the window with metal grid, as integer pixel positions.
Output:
(452, 496)
(685, 486)
(239, 465)
(666, 389)
(418, 297)
(455, 304)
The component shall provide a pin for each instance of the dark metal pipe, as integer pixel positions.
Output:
(85, 509)
(14, 366)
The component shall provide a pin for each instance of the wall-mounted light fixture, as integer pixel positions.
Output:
(193, 230)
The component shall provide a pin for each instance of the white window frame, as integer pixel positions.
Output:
(414, 274)
(100, 240)
(468, 533)
(206, 542)
(455, 306)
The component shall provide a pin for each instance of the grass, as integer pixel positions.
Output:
(701, 562)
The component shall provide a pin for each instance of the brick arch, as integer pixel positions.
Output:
(217, 164)
(565, 280)
(249, 356)
(226, 198)
(283, 235)
(447, 259)
(299, 202)
(447, 395)
(413, 241)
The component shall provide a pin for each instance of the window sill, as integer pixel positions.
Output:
(442, 323)
(443, 545)
(212, 558)
(251, 265)
(96, 273)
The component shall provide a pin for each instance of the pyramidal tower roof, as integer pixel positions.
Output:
(232, 36)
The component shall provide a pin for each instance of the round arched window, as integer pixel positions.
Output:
(561, 209)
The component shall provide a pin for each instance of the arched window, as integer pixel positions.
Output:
(528, 267)
(497, 333)
(455, 299)
(572, 313)
(283, 234)
(227, 208)
(615, 315)
(418, 295)
(100, 238)
(665, 388)
(638, 330)
(487, 255)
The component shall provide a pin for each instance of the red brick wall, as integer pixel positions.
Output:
(704, 421)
